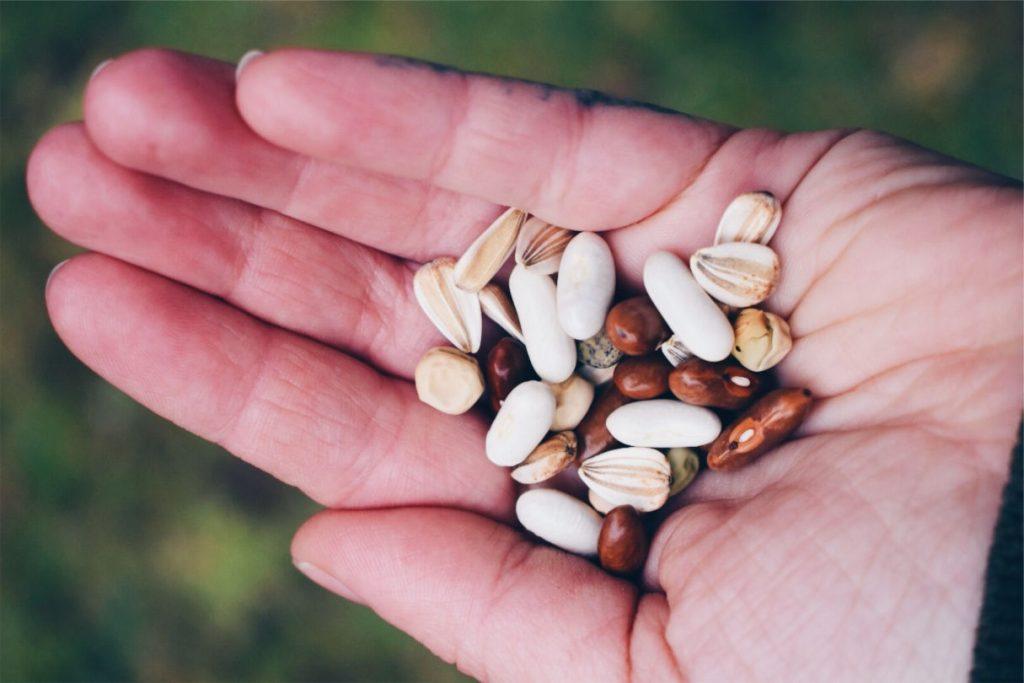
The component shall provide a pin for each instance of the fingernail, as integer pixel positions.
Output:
(246, 58)
(54, 272)
(326, 580)
(99, 67)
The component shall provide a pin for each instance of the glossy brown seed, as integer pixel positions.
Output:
(635, 327)
(592, 433)
(761, 428)
(642, 377)
(622, 544)
(507, 367)
(718, 385)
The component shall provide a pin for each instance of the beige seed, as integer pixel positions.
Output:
(751, 217)
(548, 459)
(497, 306)
(762, 339)
(540, 246)
(449, 380)
(454, 312)
(736, 273)
(572, 401)
(489, 251)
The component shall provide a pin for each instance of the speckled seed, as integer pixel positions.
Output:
(635, 327)
(586, 284)
(642, 377)
(449, 380)
(598, 351)
(572, 401)
(552, 352)
(622, 545)
(663, 423)
(507, 367)
(560, 519)
(693, 316)
(521, 424)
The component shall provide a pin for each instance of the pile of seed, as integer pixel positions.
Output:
(621, 392)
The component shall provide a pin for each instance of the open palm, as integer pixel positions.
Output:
(255, 288)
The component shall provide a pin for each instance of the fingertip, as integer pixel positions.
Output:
(47, 170)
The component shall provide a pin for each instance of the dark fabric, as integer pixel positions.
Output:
(999, 647)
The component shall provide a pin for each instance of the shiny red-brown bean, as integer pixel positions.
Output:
(507, 367)
(635, 327)
(717, 385)
(642, 377)
(622, 544)
(764, 426)
(592, 433)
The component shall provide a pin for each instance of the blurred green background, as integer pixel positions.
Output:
(131, 550)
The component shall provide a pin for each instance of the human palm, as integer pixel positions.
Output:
(268, 307)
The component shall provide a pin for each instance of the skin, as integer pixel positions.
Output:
(250, 279)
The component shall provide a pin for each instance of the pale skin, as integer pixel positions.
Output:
(250, 280)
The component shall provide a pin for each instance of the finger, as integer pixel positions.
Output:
(174, 115)
(276, 268)
(311, 416)
(482, 596)
(574, 158)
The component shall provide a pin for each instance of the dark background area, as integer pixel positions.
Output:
(132, 550)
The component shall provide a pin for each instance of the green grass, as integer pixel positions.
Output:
(131, 550)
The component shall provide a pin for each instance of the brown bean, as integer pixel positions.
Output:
(635, 327)
(718, 385)
(592, 433)
(759, 429)
(622, 544)
(642, 377)
(507, 367)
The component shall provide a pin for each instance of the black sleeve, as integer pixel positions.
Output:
(999, 646)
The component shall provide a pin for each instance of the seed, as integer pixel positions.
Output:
(449, 380)
(674, 350)
(599, 503)
(507, 367)
(762, 339)
(560, 519)
(629, 476)
(622, 544)
(552, 352)
(496, 305)
(454, 312)
(737, 273)
(547, 459)
(572, 401)
(596, 376)
(663, 423)
(598, 351)
(642, 377)
(717, 385)
(593, 432)
(540, 246)
(586, 284)
(694, 318)
(684, 463)
(765, 425)
(635, 327)
(751, 217)
(489, 251)
(521, 423)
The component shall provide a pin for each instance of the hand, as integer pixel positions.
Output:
(254, 287)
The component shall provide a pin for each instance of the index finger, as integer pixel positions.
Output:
(575, 158)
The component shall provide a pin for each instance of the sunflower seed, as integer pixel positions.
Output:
(454, 312)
